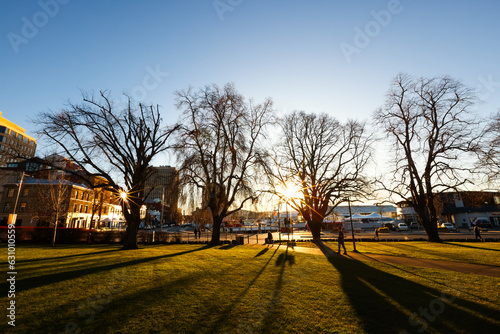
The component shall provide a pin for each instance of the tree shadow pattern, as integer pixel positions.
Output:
(388, 303)
(375, 296)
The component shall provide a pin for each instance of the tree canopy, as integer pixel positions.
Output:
(432, 126)
(324, 160)
(116, 143)
(218, 146)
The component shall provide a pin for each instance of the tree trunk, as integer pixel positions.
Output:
(55, 231)
(133, 219)
(217, 222)
(430, 227)
(315, 227)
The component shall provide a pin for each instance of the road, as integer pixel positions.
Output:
(300, 235)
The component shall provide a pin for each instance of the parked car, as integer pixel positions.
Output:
(403, 227)
(390, 226)
(383, 230)
(483, 223)
(449, 226)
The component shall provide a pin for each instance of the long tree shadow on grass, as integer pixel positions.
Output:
(69, 256)
(391, 304)
(217, 325)
(272, 308)
(469, 246)
(104, 313)
(35, 282)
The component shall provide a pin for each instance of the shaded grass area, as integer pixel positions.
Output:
(242, 289)
(487, 253)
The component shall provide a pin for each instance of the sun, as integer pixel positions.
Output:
(288, 190)
(123, 195)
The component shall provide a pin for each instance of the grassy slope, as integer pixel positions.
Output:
(192, 289)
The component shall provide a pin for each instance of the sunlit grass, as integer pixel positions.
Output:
(242, 289)
(487, 253)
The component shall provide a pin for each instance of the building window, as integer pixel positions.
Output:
(22, 208)
(83, 194)
(26, 192)
(80, 209)
(11, 192)
(496, 199)
(6, 208)
(86, 209)
(76, 194)
(75, 207)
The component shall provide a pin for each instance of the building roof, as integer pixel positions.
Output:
(8, 124)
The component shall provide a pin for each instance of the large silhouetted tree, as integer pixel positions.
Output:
(324, 160)
(490, 151)
(218, 146)
(432, 128)
(114, 143)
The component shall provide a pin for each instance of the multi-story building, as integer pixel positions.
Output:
(34, 195)
(460, 208)
(15, 144)
(162, 191)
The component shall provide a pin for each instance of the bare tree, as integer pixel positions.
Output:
(324, 160)
(432, 128)
(218, 146)
(490, 151)
(53, 197)
(116, 144)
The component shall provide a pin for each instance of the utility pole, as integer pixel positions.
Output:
(352, 229)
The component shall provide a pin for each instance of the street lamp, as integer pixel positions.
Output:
(13, 217)
(352, 229)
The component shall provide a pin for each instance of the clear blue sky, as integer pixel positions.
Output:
(292, 51)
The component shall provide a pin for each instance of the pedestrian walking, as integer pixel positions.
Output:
(376, 233)
(477, 233)
(341, 240)
(195, 232)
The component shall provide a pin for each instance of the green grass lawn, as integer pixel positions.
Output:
(487, 253)
(241, 289)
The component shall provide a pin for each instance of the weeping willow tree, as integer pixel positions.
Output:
(219, 147)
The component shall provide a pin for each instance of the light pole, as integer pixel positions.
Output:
(13, 217)
(279, 222)
(162, 205)
(352, 229)
(289, 223)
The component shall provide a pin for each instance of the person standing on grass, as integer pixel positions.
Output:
(270, 238)
(341, 240)
(477, 233)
